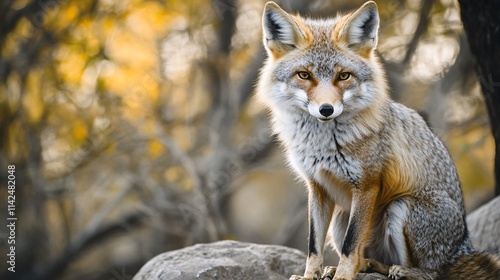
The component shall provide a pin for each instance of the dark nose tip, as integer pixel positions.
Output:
(326, 110)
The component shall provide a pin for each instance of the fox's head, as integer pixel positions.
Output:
(326, 67)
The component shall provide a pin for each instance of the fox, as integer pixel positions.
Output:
(382, 187)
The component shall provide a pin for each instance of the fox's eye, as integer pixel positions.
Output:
(304, 75)
(344, 76)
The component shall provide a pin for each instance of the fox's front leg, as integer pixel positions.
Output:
(320, 214)
(356, 238)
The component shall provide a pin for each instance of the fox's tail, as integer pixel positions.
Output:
(477, 266)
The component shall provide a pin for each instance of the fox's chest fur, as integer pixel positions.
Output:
(314, 146)
(329, 153)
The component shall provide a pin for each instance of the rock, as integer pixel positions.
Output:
(484, 226)
(226, 260)
(371, 276)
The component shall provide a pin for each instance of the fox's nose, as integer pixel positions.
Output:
(326, 109)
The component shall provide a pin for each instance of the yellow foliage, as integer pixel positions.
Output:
(184, 137)
(79, 131)
(32, 98)
(72, 63)
(107, 26)
(155, 148)
(20, 34)
(132, 50)
(173, 174)
(69, 14)
(23, 29)
(138, 88)
(15, 137)
(187, 184)
(149, 19)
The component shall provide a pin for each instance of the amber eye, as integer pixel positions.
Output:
(304, 75)
(344, 76)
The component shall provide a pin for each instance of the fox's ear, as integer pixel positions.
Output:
(360, 30)
(281, 32)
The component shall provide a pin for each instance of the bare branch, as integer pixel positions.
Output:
(86, 241)
(423, 22)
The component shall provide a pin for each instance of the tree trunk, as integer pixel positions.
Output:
(481, 21)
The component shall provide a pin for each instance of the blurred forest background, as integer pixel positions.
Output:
(133, 129)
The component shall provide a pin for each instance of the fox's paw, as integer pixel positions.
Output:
(343, 275)
(328, 272)
(397, 272)
(372, 265)
(316, 276)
